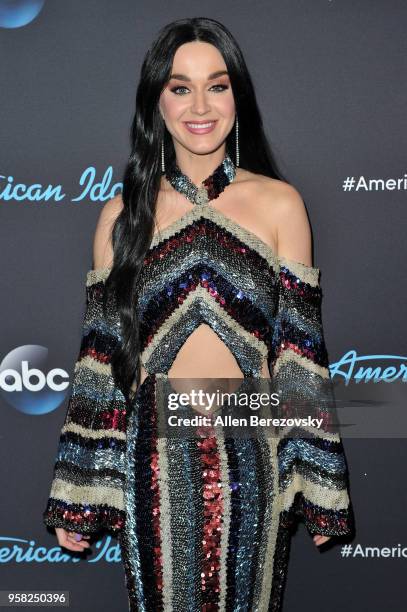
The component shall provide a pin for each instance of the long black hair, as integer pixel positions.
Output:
(134, 227)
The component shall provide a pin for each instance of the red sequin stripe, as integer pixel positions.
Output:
(83, 412)
(99, 356)
(202, 227)
(182, 294)
(285, 345)
(291, 282)
(318, 520)
(114, 419)
(181, 297)
(82, 518)
(155, 503)
(213, 512)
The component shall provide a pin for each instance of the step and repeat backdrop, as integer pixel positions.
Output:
(329, 79)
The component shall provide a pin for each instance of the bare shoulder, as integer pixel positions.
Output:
(271, 193)
(286, 200)
(283, 210)
(294, 239)
(102, 243)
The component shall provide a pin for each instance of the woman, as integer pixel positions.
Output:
(224, 288)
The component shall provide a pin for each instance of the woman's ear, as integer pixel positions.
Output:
(161, 112)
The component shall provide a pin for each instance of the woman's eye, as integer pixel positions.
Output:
(176, 89)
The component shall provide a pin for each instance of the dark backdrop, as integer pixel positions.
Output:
(330, 81)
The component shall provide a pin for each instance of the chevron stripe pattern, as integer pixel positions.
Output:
(203, 524)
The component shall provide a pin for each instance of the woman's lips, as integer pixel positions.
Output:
(200, 127)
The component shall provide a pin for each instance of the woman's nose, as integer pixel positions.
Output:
(200, 104)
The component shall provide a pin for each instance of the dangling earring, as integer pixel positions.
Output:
(162, 157)
(237, 141)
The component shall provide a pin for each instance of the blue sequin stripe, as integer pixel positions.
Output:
(186, 522)
(254, 270)
(249, 531)
(222, 260)
(312, 473)
(265, 500)
(263, 544)
(302, 449)
(238, 305)
(145, 502)
(130, 536)
(100, 395)
(84, 456)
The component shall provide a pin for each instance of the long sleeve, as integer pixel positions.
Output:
(87, 488)
(313, 475)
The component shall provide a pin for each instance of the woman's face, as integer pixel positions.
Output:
(199, 91)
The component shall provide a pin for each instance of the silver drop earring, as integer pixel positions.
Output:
(237, 141)
(162, 156)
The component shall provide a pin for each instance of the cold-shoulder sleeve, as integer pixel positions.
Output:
(313, 475)
(87, 487)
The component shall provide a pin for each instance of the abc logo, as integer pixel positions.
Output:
(19, 13)
(28, 384)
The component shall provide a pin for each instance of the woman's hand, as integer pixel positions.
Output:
(67, 539)
(320, 539)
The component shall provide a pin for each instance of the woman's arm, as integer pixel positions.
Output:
(102, 242)
(313, 471)
(87, 488)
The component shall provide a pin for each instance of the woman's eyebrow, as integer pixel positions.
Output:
(184, 77)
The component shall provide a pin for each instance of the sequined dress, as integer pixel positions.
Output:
(203, 525)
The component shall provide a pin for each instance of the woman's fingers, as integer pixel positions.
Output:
(320, 539)
(69, 540)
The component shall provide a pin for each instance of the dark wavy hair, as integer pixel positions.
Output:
(134, 227)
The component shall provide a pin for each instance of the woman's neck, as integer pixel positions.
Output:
(198, 167)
